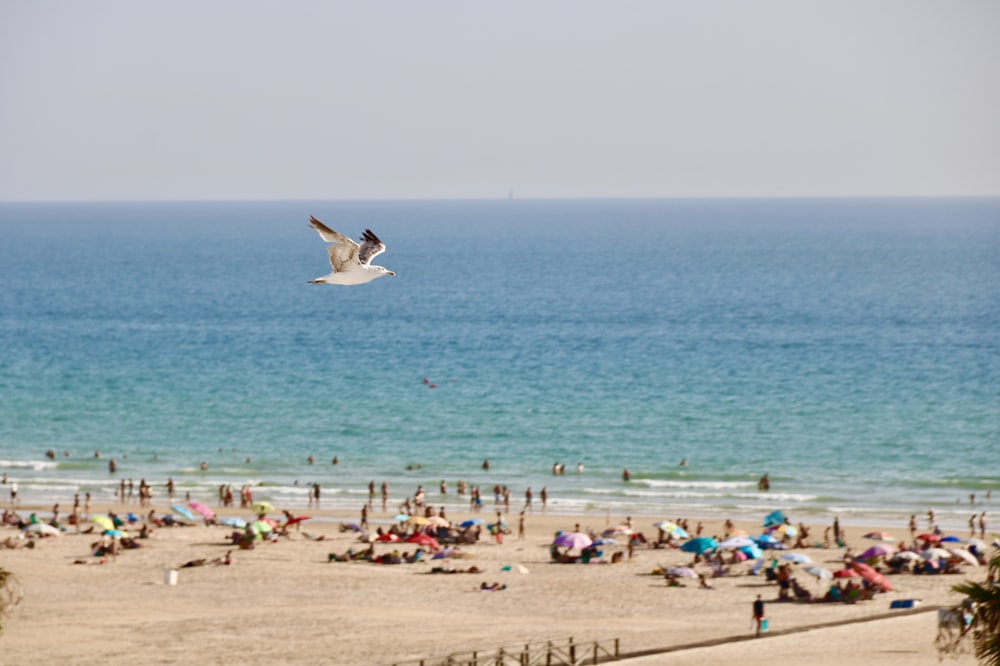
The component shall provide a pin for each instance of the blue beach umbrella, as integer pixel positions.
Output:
(233, 522)
(765, 540)
(471, 521)
(752, 551)
(700, 545)
(183, 510)
(774, 518)
(798, 558)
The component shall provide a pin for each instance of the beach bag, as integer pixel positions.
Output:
(763, 624)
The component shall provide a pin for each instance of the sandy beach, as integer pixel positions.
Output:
(285, 602)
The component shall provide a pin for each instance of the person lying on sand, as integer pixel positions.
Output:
(451, 570)
(224, 560)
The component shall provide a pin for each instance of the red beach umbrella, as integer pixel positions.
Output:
(425, 540)
(872, 576)
(929, 538)
(846, 573)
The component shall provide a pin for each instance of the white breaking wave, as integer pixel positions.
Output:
(36, 465)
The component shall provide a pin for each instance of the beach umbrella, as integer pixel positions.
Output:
(765, 540)
(798, 558)
(736, 543)
(975, 543)
(964, 555)
(103, 522)
(929, 538)
(674, 529)
(617, 529)
(820, 572)
(233, 522)
(262, 508)
(605, 541)
(43, 529)
(878, 550)
(116, 534)
(425, 540)
(261, 526)
(683, 572)
(880, 536)
(700, 545)
(935, 554)
(774, 518)
(183, 510)
(872, 576)
(438, 521)
(907, 555)
(573, 540)
(401, 517)
(202, 509)
(752, 551)
(297, 519)
(789, 531)
(471, 521)
(418, 520)
(846, 573)
(951, 539)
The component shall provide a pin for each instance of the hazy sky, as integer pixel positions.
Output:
(420, 99)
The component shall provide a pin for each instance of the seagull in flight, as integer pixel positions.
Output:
(351, 262)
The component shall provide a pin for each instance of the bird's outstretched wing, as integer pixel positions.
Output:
(371, 247)
(343, 251)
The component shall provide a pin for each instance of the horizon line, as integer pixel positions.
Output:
(505, 198)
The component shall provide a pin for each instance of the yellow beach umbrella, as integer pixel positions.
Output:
(103, 522)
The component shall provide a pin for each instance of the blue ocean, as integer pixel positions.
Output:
(850, 349)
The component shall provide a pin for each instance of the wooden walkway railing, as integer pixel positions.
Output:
(560, 652)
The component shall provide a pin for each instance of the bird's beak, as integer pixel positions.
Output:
(392, 272)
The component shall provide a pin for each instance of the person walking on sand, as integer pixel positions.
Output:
(758, 614)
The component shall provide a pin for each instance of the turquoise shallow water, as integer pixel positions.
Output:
(848, 348)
